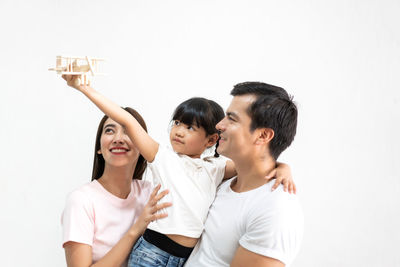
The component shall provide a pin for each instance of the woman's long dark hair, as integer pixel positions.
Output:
(98, 163)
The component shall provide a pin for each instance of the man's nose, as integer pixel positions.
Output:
(220, 125)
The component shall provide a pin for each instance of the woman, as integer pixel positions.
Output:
(104, 218)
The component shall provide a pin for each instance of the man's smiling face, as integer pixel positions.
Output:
(236, 138)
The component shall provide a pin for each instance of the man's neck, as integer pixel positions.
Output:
(251, 173)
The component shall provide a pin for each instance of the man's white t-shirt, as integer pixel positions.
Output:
(192, 183)
(264, 222)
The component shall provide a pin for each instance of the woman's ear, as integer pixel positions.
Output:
(212, 139)
(99, 151)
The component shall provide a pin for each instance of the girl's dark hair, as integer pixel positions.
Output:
(98, 163)
(201, 112)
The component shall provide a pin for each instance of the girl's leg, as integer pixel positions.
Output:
(145, 254)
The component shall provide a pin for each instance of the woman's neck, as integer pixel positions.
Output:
(117, 180)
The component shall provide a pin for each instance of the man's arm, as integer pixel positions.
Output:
(244, 258)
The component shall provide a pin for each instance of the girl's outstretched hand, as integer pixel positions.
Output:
(149, 212)
(283, 176)
(74, 82)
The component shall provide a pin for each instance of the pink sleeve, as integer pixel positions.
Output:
(78, 219)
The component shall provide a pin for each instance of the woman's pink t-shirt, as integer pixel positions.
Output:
(94, 216)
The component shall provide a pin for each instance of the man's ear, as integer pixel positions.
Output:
(212, 139)
(265, 135)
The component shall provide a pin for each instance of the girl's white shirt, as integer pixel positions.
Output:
(192, 183)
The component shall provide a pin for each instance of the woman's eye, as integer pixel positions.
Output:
(108, 130)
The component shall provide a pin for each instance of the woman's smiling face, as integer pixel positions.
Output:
(116, 147)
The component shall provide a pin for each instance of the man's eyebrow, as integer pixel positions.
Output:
(109, 125)
(232, 114)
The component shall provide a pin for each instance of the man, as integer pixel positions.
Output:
(248, 224)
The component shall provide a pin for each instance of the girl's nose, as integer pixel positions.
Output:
(180, 131)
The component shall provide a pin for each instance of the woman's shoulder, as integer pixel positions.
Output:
(84, 192)
(141, 186)
(141, 183)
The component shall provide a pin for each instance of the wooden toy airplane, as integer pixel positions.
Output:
(78, 66)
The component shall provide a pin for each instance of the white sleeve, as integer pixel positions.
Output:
(155, 175)
(78, 219)
(218, 170)
(277, 235)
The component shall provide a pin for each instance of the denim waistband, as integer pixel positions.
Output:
(166, 244)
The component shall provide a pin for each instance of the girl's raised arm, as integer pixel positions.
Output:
(147, 146)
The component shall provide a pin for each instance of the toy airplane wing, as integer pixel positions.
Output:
(77, 65)
(82, 66)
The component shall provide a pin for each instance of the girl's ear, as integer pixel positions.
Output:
(212, 139)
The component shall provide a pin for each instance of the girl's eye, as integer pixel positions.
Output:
(190, 128)
(176, 122)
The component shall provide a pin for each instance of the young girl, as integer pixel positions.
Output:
(192, 180)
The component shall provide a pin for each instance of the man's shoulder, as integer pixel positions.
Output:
(274, 224)
(277, 203)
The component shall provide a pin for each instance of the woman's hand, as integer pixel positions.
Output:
(149, 212)
(283, 175)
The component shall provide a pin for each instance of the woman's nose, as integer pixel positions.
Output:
(118, 138)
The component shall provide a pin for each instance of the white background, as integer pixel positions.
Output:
(340, 59)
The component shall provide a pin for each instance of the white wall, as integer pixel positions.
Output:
(339, 58)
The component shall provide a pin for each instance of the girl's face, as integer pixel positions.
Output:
(190, 140)
(116, 147)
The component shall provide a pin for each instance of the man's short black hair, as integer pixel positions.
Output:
(272, 109)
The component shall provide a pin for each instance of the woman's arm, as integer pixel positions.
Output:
(80, 255)
(282, 173)
(147, 146)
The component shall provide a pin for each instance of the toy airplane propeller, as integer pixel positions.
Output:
(78, 66)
